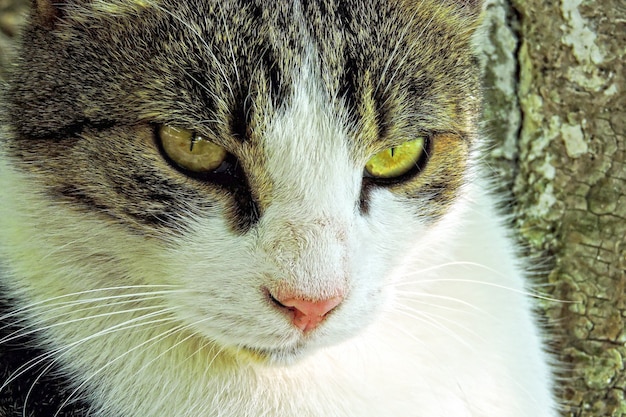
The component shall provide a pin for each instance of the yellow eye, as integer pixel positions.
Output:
(190, 151)
(396, 161)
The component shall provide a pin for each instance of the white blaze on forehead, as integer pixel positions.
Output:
(307, 147)
(307, 227)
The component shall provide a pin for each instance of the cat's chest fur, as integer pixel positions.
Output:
(235, 209)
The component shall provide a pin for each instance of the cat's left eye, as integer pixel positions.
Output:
(191, 151)
(397, 161)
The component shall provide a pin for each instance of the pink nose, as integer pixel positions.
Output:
(307, 315)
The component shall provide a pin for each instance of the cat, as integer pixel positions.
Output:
(245, 208)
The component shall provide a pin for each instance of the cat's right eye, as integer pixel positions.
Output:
(191, 151)
(397, 161)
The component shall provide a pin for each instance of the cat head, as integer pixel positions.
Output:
(272, 163)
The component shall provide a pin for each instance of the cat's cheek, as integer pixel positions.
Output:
(392, 224)
(393, 233)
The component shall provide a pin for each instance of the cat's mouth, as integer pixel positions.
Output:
(273, 356)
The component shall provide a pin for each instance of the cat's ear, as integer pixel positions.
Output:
(48, 12)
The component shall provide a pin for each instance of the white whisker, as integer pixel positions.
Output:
(149, 342)
(80, 293)
(181, 328)
(431, 320)
(441, 266)
(32, 386)
(415, 295)
(61, 351)
(532, 294)
(36, 328)
(39, 313)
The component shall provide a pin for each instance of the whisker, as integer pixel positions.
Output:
(64, 349)
(83, 240)
(191, 335)
(532, 294)
(442, 318)
(32, 386)
(441, 266)
(431, 320)
(32, 312)
(150, 342)
(45, 305)
(413, 295)
(36, 328)
(79, 293)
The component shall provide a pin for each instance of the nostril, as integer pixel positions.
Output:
(318, 308)
(306, 314)
(276, 302)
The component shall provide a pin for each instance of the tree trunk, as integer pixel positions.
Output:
(565, 62)
(555, 81)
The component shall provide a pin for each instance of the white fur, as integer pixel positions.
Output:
(436, 322)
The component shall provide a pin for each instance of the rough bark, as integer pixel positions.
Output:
(569, 178)
(556, 109)
(571, 187)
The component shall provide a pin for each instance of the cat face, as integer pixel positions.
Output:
(309, 109)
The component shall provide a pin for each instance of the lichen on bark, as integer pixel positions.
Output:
(497, 44)
(571, 188)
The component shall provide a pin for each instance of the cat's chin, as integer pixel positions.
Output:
(273, 357)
